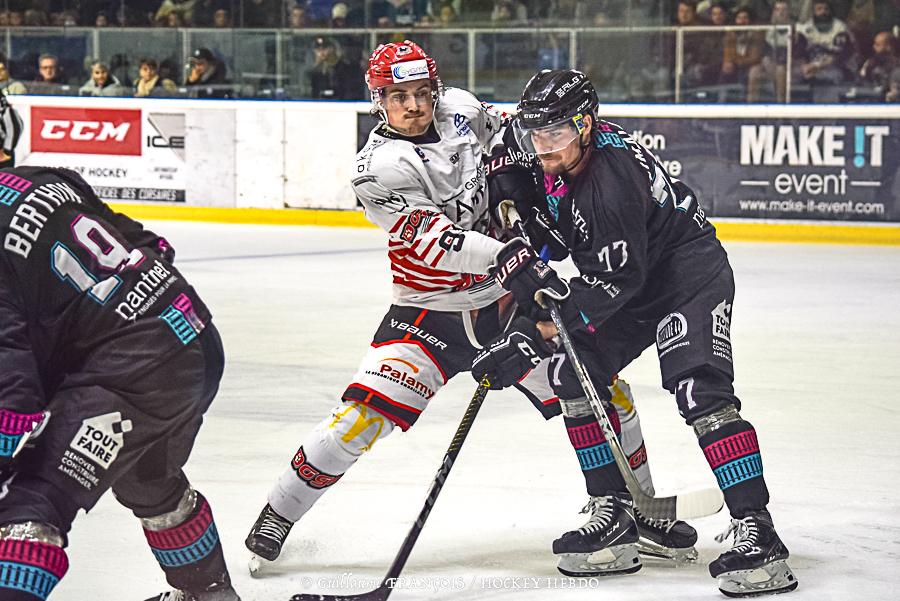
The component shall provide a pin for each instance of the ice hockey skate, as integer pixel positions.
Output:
(665, 539)
(267, 537)
(213, 593)
(757, 562)
(605, 544)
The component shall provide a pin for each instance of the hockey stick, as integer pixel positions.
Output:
(387, 584)
(693, 504)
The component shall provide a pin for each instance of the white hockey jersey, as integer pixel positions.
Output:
(429, 193)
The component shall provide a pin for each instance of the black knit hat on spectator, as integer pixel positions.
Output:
(203, 54)
(323, 42)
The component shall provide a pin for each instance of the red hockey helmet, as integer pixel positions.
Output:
(398, 63)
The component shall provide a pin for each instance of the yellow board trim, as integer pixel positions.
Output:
(738, 231)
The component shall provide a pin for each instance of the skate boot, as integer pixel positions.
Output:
(605, 544)
(216, 592)
(268, 534)
(757, 562)
(665, 539)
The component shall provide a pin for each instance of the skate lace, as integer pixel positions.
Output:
(601, 510)
(660, 523)
(745, 533)
(275, 527)
(176, 595)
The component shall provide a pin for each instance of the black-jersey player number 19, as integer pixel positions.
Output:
(109, 253)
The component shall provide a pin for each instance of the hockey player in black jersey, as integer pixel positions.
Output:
(108, 361)
(651, 271)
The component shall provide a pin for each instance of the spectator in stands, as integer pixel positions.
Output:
(447, 16)
(16, 19)
(743, 50)
(826, 54)
(102, 83)
(876, 71)
(297, 18)
(4, 18)
(48, 70)
(509, 12)
(7, 84)
(173, 20)
(333, 77)
(262, 13)
(35, 17)
(102, 19)
(339, 15)
(183, 9)
(207, 77)
(221, 19)
(150, 83)
(702, 49)
(773, 66)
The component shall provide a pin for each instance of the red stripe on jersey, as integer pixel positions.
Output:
(416, 286)
(425, 278)
(419, 344)
(398, 224)
(438, 258)
(399, 260)
(416, 323)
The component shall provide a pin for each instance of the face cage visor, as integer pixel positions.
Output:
(549, 138)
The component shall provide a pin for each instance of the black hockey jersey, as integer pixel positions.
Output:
(78, 281)
(638, 236)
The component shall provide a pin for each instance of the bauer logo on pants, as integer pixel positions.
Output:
(101, 438)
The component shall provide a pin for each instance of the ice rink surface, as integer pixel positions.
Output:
(816, 333)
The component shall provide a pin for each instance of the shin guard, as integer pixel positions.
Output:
(29, 569)
(189, 552)
(601, 475)
(732, 452)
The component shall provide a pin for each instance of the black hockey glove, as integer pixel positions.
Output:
(19, 432)
(510, 356)
(519, 270)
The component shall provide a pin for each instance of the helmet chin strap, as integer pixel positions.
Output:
(582, 155)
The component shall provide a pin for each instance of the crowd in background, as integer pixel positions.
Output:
(841, 50)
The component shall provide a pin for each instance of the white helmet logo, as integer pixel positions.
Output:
(410, 70)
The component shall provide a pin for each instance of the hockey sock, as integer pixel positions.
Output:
(30, 569)
(601, 475)
(327, 453)
(732, 452)
(190, 553)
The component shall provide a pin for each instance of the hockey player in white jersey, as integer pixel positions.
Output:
(422, 178)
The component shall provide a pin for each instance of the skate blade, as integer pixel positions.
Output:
(618, 559)
(770, 579)
(681, 556)
(255, 563)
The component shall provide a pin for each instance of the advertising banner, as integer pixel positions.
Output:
(836, 169)
(125, 154)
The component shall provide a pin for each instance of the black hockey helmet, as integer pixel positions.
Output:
(554, 98)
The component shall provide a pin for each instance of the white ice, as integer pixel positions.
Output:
(816, 332)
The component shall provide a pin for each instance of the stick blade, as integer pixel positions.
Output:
(699, 503)
(379, 594)
(683, 506)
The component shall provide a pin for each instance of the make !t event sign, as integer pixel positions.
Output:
(813, 169)
(124, 154)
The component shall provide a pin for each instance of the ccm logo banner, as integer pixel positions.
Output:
(86, 131)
